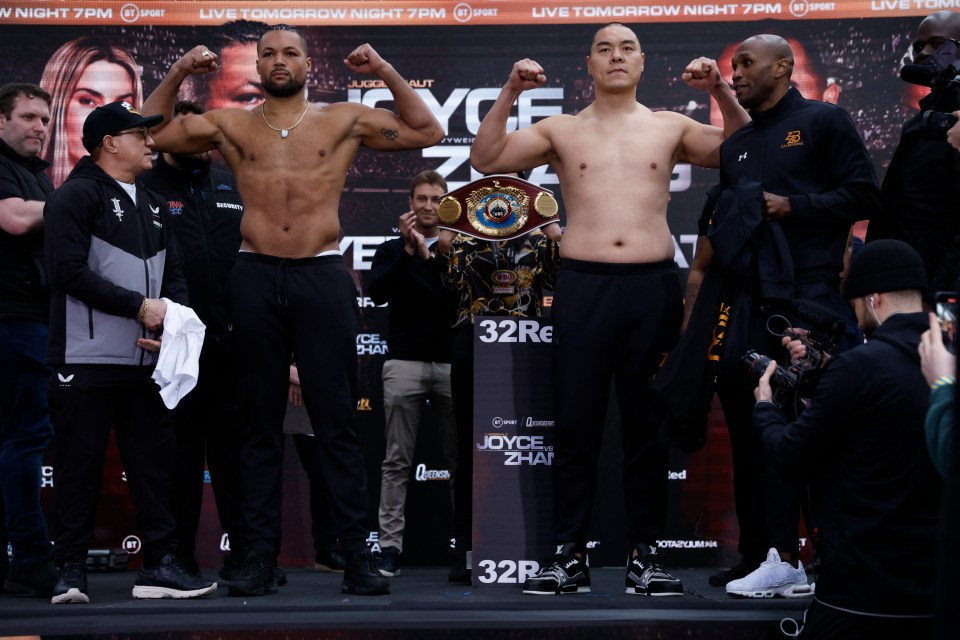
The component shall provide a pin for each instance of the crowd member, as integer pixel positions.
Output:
(467, 266)
(922, 184)
(80, 76)
(103, 235)
(290, 290)
(417, 369)
(25, 430)
(618, 301)
(800, 207)
(205, 211)
(861, 445)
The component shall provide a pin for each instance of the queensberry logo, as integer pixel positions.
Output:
(176, 207)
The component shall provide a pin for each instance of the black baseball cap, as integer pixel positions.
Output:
(111, 119)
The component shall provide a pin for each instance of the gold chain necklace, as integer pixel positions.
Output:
(283, 132)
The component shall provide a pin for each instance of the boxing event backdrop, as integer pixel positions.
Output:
(457, 56)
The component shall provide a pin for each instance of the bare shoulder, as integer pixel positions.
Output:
(673, 118)
(231, 118)
(559, 122)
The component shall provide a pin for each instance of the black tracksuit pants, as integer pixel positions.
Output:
(304, 307)
(85, 401)
(611, 322)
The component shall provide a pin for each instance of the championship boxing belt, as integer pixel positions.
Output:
(497, 207)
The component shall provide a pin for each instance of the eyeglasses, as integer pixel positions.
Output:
(141, 130)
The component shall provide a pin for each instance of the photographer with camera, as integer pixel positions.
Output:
(921, 188)
(860, 444)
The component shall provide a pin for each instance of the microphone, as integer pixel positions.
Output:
(820, 318)
(922, 74)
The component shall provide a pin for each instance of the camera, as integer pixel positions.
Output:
(935, 124)
(785, 382)
(940, 72)
(821, 341)
(946, 305)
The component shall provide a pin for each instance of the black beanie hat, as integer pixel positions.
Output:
(882, 266)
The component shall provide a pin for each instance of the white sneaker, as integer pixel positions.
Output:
(772, 578)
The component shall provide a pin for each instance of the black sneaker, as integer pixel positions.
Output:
(563, 573)
(258, 577)
(646, 577)
(171, 580)
(71, 587)
(361, 576)
(388, 562)
(740, 570)
(232, 567)
(331, 561)
(34, 579)
(190, 565)
(281, 576)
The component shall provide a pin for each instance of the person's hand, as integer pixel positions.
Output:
(526, 74)
(445, 241)
(295, 395)
(150, 345)
(197, 61)
(764, 392)
(702, 73)
(775, 207)
(935, 360)
(154, 314)
(406, 224)
(953, 133)
(553, 231)
(792, 343)
(294, 375)
(364, 59)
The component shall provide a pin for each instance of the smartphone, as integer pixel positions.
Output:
(947, 312)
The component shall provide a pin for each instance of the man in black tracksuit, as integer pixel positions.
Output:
(205, 210)
(816, 180)
(112, 256)
(861, 445)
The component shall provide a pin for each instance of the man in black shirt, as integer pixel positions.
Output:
(922, 185)
(25, 429)
(811, 179)
(417, 369)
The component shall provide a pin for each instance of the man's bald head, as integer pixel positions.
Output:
(947, 21)
(772, 45)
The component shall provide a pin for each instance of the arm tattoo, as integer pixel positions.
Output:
(390, 134)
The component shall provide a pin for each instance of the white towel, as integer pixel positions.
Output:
(178, 365)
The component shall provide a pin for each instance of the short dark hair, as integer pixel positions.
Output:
(183, 107)
(285, 27)
(10, 92)
(427, 177)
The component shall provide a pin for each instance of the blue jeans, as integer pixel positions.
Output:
(25, 433)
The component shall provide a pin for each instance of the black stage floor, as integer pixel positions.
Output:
(422, 606)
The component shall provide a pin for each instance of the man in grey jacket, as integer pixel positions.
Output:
(112, 259)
